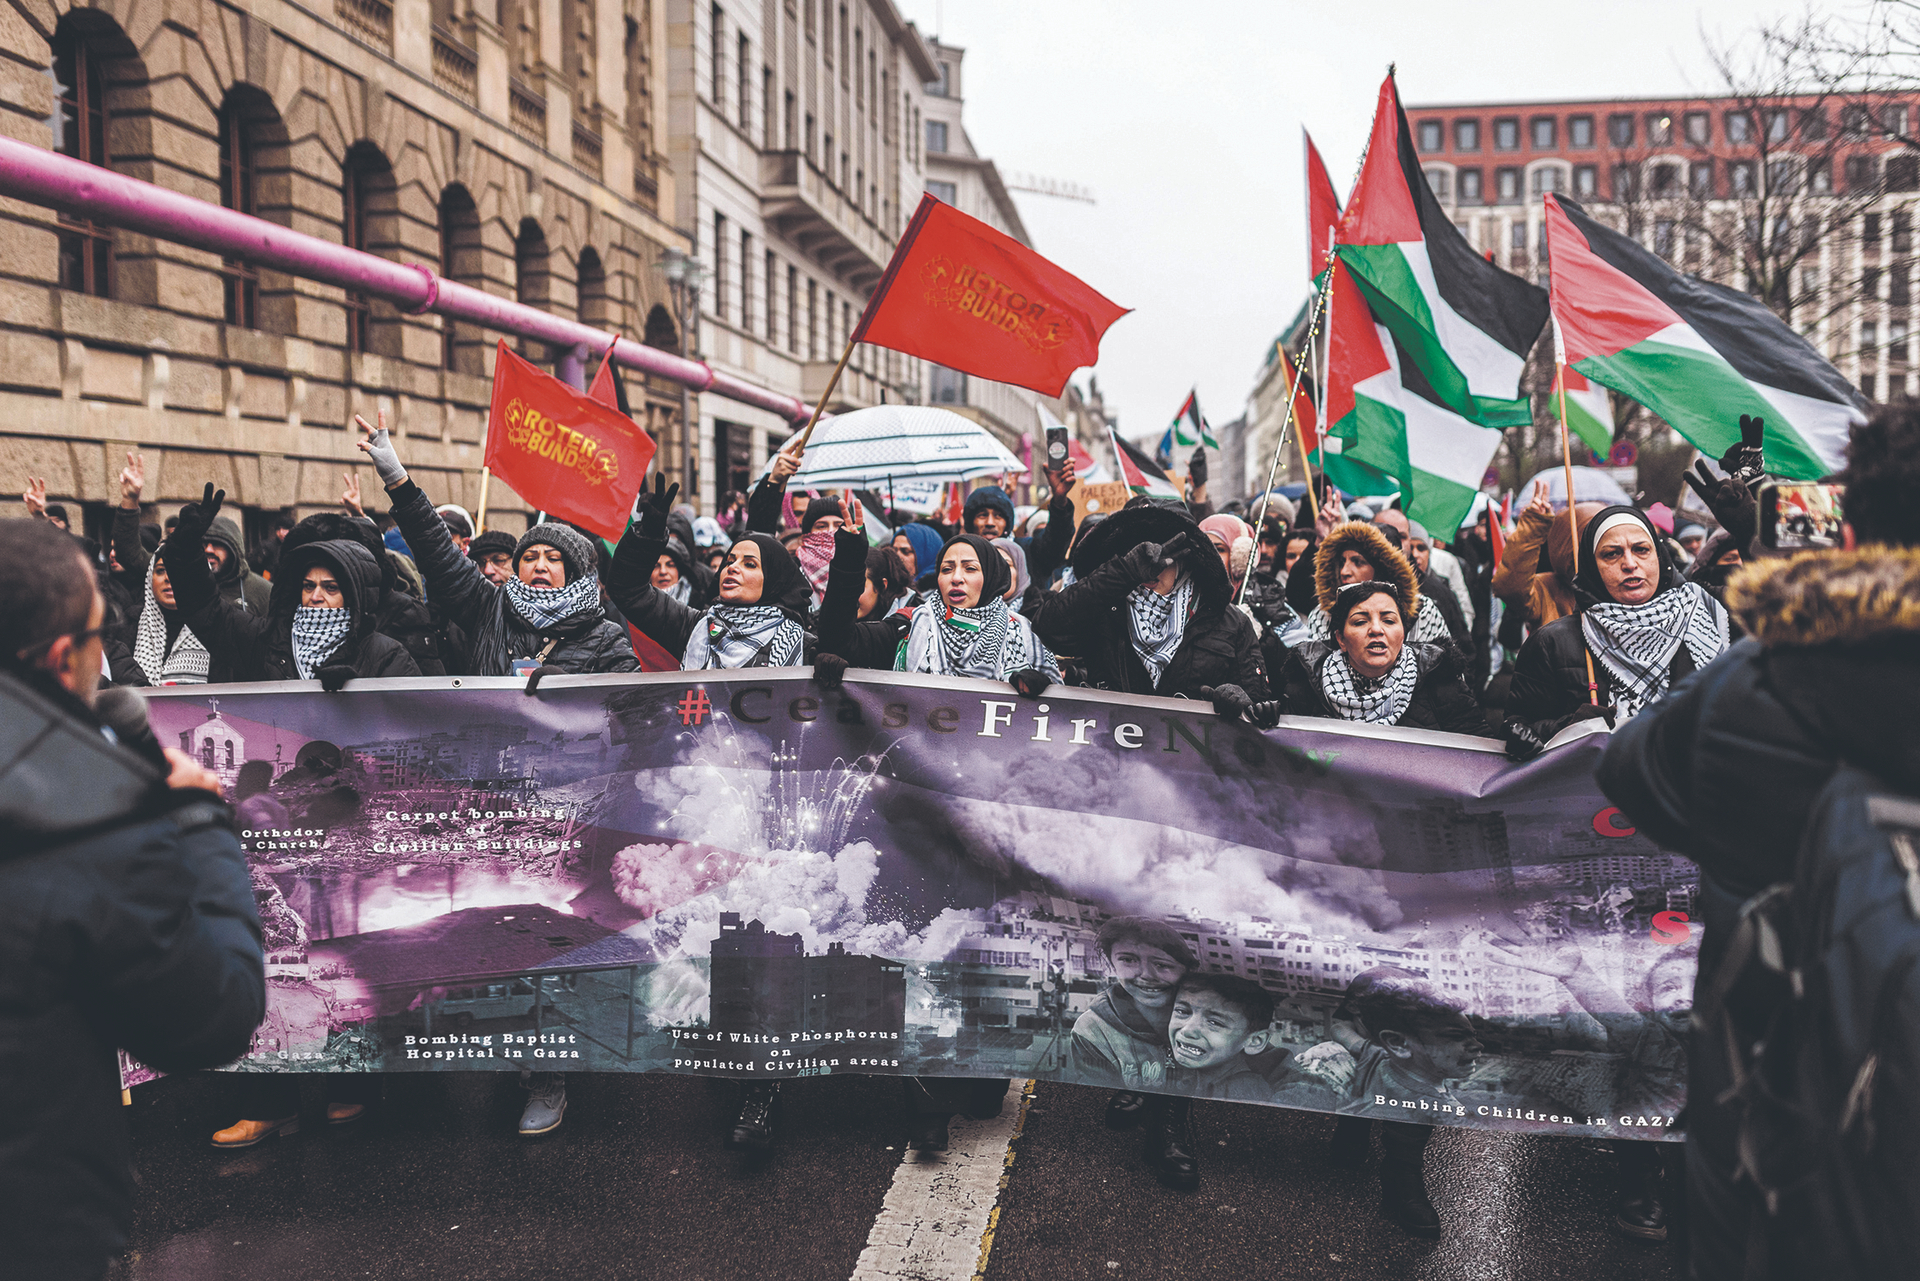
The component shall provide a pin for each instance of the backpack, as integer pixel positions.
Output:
(1813, 1016)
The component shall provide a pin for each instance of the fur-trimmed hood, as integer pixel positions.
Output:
(1819, 598)
(1388, 566)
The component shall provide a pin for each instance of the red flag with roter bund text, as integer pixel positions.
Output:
(973, 299)
(563, 451)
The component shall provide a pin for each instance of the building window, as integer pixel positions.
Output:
(1659, 129)
(938, 89)
(1870, 230)
(1898, 288)
(1740, 178)
(1903, 173)
(1468, 181)
(719, 55)
(1897, 342)
(1666, 180)
(1466, 135)
(1626, 184)
(772, 278)
(942, 191)
(936, 135)
(1517, 236)
(813, 319)
(461, 259)
(1620, 130)
(1663, 237)
(793, 310)
(1586, 181)
(80, 119)
(1860, 174)
(946, 386)
(1870, 283)
(1895, 119)
(1813, 125)
(1867, 386)
(1820, 176)
(1432, 136)
(1698, 126)
(767, 119)
(1547, 179)
(357, 192)
(1700, 179)
(240, 280)
(1437, 182)
(1901, 240)
(746, 281)
(1544, 129)
(1779, 124)
(1739, 127)
(1506, 135)
(743, 69)
(1507, 185)
(1580, 131)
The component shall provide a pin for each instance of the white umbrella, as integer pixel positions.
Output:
(868, 447)
(1590, 485)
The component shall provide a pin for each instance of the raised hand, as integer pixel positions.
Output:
(856, 517)
(197, 518)
(1747, 460)
(35, 497)
(1197, 468)
(350, 493)
(1540, 504)
(1061, 479)
(133, 479)
(378, 447)
(650, 509)
(787, 461)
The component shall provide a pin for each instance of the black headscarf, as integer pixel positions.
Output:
(782, 583)
(1148, 522)
(996, 575)
(1588, 586)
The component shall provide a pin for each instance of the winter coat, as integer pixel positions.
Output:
(1117, 1044)
(664, 620)
(1441, 699)
(127, 919)
(438, 645)
(1434, 588)
(586, 642)
(245, 646)
(237, 582)
(1046, 552)
(1089, 619)
(1539, 597)
(871, 642)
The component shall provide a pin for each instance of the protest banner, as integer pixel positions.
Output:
(741, 874)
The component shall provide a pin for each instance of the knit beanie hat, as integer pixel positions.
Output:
(575, 551)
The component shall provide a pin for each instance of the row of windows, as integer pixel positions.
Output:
(817, 321)
(1658, 128)
(1705, 179)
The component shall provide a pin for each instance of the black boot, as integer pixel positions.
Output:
(753, 1126)
(1403, 1183)
(1124, 1108)
(1639, 1198)
(1352, 1143)
(1171, 1152)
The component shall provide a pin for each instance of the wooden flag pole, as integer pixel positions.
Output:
(1573, 522)
(480, 520)
(1280, 445)
(827, 395)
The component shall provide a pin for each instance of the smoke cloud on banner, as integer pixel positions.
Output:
(747, 875)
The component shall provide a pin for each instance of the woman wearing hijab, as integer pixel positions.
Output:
(165, 650)
(969, 630)
(1372, 673)
(1353, 553)
(1642, 624)
(673, 574)
(919, 546)
(1150, 612)
(1018, 595)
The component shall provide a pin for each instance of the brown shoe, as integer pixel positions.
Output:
(244, 1134)
(345, 1113)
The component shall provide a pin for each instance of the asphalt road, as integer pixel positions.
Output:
(434, 1183)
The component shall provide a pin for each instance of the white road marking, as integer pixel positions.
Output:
(937, 1221)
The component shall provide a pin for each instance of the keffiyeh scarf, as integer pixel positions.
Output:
(187, 663)
(316, 634)
(1354, 697)
(681, 591)
(988, 641)
(1637, 643)
(542, 607)
(734, 635)
(815, 554)
(1159, 623)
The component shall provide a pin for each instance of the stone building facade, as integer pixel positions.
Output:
(515, 145)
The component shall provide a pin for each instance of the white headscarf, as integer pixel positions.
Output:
(186, 663)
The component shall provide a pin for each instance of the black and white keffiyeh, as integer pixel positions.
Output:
(734, 635)
(1637, 643)
(989, 641)
(1354, 697)
(1159, 623)
(543, 607)
(681, 591)
(316, 634)
(186, 663)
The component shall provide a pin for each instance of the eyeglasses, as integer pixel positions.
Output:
(79, 639)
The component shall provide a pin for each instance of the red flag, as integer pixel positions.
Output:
(561, 450)
(956, 503)
(968, 297)
(1323, 210)
(1496, 535)
(1306, 419)
(1354, 351)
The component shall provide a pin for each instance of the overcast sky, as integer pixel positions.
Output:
(1184, 120)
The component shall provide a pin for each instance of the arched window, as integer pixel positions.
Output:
(206, 753)
(462, 346)
(532, 283)
(596, 308)
(240, 280)
(661, 331)
(80, 120)
(367, 206)
(229, 743)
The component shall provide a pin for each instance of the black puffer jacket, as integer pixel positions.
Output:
(1089, 619)
(1440, 700)
(127, 919)
(245, 646)
(587, 642)
(870, 643)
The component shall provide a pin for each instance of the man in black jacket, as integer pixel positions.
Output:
(127, 917)
(1725, 768)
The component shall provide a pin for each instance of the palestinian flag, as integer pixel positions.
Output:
(1323, 210)
(1466, 325)
(1698, 354)
(1139, 472)
(1190, 425)
(1589, 411)
(1389, 428)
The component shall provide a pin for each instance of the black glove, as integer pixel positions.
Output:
(1145, 561)
(1593, 712)
(1266, 715)
(332, 677)
(829, 670)
(1746, 461)
(651, 510)
(1030, 683)
(1229, 701)
(197, 518)
(1522, 743)
(1197, 467)
(537, 675)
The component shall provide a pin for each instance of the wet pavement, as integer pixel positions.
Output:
(434, 1183)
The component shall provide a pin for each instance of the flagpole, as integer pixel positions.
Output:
(827, 395)
(1573, 524)
(480, 521)
(1280, 445)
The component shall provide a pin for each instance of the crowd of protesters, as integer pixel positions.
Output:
(1323, 605)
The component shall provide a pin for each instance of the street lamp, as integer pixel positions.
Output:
(685, 275)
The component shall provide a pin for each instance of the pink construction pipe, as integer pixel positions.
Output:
(45, 177)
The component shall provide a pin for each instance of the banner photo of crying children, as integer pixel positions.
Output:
(743, 874)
